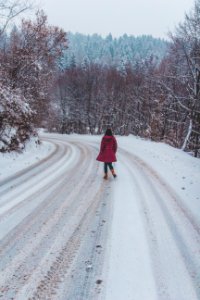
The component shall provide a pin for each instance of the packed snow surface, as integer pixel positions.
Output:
(13, 162)
(65, 233)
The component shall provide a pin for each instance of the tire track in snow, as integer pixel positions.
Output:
(44, 254)
(17, 196)
(87, 279)
(152, 173)
(46, 203)
(6, 184)
(47, 239)
(176, 225)
(53, 190)
(62, 269)
(16, 185)
(30, 200)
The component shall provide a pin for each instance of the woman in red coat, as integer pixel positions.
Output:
(107, 152)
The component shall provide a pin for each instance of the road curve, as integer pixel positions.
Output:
(53, 226)
(58, 238)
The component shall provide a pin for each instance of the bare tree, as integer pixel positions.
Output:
(30, 60)
(28, 64)
(181, 82)
(10, 9)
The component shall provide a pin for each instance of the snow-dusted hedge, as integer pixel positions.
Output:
(15, 119)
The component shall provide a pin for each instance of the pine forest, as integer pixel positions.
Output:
(74, 83)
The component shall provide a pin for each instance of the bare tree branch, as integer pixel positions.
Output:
(10, 9)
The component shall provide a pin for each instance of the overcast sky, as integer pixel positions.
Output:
(134, 17)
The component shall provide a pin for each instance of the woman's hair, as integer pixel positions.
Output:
(108, 132)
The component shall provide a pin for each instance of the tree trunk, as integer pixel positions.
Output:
(187, 136)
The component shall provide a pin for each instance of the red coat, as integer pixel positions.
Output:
(108, 149)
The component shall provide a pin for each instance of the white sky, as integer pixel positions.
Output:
(135, 17)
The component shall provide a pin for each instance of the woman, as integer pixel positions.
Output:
(107, 152)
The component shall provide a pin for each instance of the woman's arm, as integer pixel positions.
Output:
(114, 144)
(102, 145)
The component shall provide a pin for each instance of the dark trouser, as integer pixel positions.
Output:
(106, 165)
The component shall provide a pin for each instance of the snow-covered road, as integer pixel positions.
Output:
(67, 234)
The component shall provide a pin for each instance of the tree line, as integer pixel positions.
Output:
(151, 99)
(111, 51)
(157, 101)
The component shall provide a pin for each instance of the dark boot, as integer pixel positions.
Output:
(105, 176)
(113, 173)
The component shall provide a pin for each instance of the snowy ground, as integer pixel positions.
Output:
(67, 234)
(33, 153)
